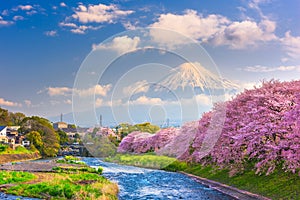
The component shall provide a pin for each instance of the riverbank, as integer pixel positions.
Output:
(8, 158)
(278, 185)
(56, 180)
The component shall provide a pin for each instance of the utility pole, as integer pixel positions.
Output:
(100, 121)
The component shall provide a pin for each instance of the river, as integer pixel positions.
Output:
(142, 184)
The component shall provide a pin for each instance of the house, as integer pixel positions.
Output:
(12, 131)
(3, 136)
(14, 128)
(3, 130)
(71, 132)
(60, 125)
(25, 143)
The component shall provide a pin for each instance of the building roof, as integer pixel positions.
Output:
(2, 127)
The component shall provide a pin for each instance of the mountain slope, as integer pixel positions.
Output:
(196, 76)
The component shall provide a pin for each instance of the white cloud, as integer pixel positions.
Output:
(59, 91)
(82, 29)
(62, 4)
(64, 24)
(137, 87)
(5, 22)
(18, 17)
(68, 101)
(120, 44)
(66, 91)
(27, 103)
(25, 7)
(52, 33)
(99, 102)
(31, 12)
(5, 12)
(249, 85)
(143, 100)
(4, 102)
(254, 4)
(203, 99)
(189, 24)
(78, 29)
(216, 29)
(96, 90)
(54, 102)
(99, 13)
(260, 68)
(239, 35)
(291, 44)
(129, 26)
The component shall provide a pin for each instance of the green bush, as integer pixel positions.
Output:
(7, 177)
(3, 147)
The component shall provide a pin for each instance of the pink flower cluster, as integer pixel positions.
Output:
(141, 142)
(261, 126)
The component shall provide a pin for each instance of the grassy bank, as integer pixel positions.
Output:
(146, 160)
(6, 158)
(18, 150)
(65, 182)
(278, 185)
(20, 153)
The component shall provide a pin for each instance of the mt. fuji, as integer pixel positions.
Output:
(194, 75)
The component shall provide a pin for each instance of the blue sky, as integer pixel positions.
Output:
(44, 43)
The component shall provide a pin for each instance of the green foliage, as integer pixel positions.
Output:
(35, 139)
(70, 160)
(78, 169)
(73, 126)
(176, 166)
(63, 137)
(124, 129)
(49, 137)
(15, 177)
(148, 160)
(3, 148)
(16, 118)
(10, 119)
(63, 190)
(82, 185)
(4, 119)
(99, 145)
(18, 150)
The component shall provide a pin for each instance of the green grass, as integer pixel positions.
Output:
(18, 150)
(278, 185)
(78, 169)
(15, 177)
(148, 160)
(70, 160)
(62, 185)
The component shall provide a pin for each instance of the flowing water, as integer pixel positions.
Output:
(142, 184)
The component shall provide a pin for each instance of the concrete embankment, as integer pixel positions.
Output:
(226, 189)
(6, 158)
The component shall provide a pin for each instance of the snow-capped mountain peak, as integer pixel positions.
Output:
(194, 75)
